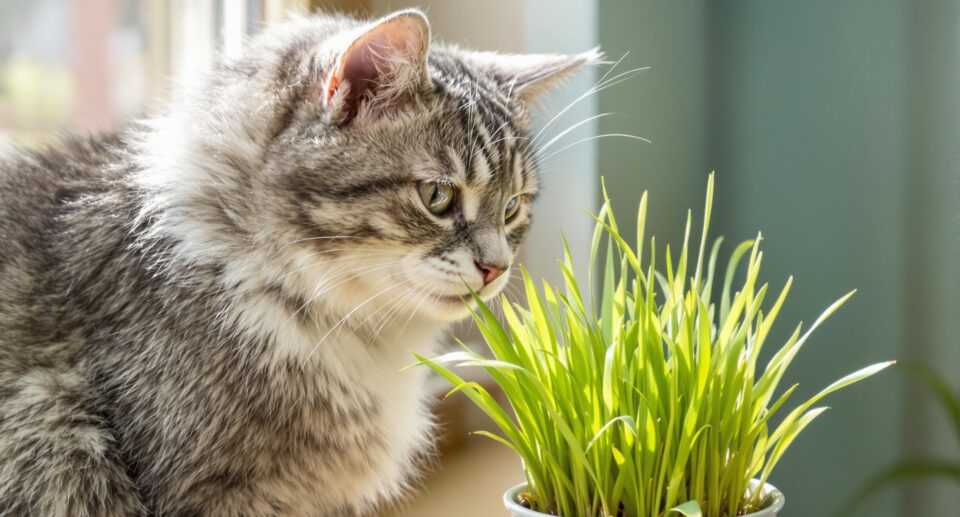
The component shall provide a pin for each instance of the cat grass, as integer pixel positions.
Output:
(655, 401)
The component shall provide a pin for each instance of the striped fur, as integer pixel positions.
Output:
(206, 315)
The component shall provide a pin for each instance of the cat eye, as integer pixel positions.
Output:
(510, 211)
(437, 197)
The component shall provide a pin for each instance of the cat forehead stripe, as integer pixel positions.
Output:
(456, 162)
(518, 172)
(481, 173)
(494, 138)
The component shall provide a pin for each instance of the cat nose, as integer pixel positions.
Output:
(489, 272)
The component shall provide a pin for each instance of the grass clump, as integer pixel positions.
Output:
(654, 401)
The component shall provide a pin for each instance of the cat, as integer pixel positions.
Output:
(207, 313)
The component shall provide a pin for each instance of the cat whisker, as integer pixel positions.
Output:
(497, 131)
(601, 85)
(319, 263)
(415, 310)
(539, 150)
(502, 139)
(423, 300)
(597, 137)
(511, 291)
(556, 161)
(331, 275)
(391, 305)
(305, 239)
(324, 288)
(567, 131)
(343, 320)
(613, 67)
(394, 311)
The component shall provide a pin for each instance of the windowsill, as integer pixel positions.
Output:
(470, 480)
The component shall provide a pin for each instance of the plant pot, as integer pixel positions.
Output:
(773, 497)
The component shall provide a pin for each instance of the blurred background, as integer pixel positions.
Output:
(832, 125)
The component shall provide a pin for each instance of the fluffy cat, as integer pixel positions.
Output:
(206, 315)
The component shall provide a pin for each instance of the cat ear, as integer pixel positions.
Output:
(380, 68)
(530, 76)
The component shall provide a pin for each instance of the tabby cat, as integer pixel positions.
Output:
(207, 314)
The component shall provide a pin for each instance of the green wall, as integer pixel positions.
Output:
(832, 128)
(931, 187)
(666, 104)
(807, 130)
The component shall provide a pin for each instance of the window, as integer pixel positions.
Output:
(67, 67)
(88, 66)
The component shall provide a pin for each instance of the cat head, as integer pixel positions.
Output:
(371, 167)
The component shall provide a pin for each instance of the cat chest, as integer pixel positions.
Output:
(352, 450)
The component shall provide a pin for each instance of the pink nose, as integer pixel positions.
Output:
(490, 273)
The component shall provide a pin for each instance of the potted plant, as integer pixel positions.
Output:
(653, 401)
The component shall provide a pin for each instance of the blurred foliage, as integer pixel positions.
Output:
(35, 94)
(919, 468)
